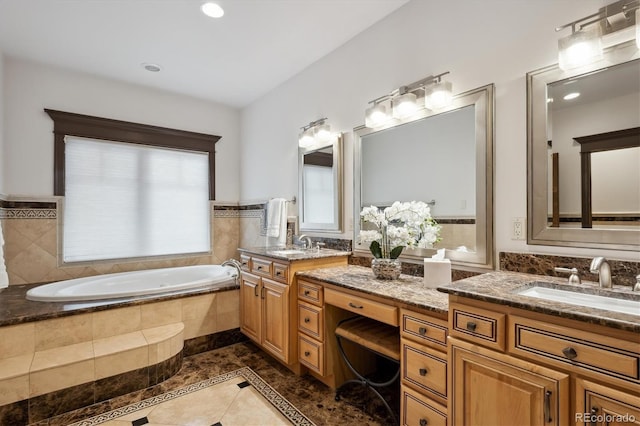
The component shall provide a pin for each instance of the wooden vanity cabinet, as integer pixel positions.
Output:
(269, 313)
(520, 367)
(423, 368)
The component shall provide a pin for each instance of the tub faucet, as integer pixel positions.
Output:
(600, 266)
(236, 265)
(307, 241)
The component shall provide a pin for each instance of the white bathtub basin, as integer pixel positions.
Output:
(624, 306)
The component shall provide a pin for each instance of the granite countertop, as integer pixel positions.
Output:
(293, 253)
(407, 289)
(500, 288)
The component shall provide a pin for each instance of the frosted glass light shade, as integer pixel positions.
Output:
(404, 105)
(323, 133)
(438, 95)
(375, 116)
(580, 48)
(306, 138)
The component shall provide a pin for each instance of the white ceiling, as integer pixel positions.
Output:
(233, 60)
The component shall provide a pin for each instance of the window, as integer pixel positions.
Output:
(131, 190)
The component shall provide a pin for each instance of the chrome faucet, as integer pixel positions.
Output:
(307, 241)
(636, 287)
(236, 265)
(600, 266)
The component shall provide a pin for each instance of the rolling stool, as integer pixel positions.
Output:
(379, 338)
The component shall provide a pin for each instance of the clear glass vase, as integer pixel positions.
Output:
(386, 269)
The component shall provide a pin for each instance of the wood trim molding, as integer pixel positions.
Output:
(66, 123)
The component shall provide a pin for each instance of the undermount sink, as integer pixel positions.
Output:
(564, 294)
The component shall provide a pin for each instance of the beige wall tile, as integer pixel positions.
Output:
(228, 310)
(17, 340)
(64, 355)
(63, 331)
(15, 366)
(161, 313)
(198, 307)
(115, 344)
(116, 321)
(14, 389)
(121, 362)
(53, 379)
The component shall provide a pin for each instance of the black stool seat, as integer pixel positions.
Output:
(377, 337)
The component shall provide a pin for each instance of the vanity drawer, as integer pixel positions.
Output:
(477, 325)
(261, 267)
(564, 346)
(245, 262)
(310, 353)
(425, 368)
(280, 272)
(310, 320)
(365, 307)
(310, 292)
(418, 410)
(424, 329)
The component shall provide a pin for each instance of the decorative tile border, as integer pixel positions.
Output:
(271, 395)
(28, 209)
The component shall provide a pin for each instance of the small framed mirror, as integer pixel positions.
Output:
(583, 153)
(320, 187)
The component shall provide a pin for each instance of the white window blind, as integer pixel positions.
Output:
(128, 200)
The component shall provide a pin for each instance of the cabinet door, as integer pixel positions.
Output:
(490, 388)
(275, 337)
(251, 307)
(601, 405)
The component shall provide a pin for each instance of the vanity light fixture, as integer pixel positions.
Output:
(431, 92)
(316, 131)
(585, 43)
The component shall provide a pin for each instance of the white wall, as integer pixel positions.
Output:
(28, 137)
(479, 42)
(3, 158)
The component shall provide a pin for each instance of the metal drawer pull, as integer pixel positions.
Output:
(307, 353)
(423, 422)
(547, 406)
(259, 268)
(307, 320)
(278, 273)
(423, 372)
(569, 352)
(422, 331)
(355, 306)
(255, 291)
(307, 292)
(471, 326)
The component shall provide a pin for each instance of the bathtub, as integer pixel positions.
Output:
(136, 283)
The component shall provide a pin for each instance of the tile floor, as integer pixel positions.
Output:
(314, 399)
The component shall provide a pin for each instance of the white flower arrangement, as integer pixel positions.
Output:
(401, 225)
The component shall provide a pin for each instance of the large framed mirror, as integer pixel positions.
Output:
(320, 187)
(443, 158)
(584, 152)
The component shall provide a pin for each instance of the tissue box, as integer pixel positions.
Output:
(436, 272)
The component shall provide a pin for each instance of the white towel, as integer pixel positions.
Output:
(4, 278)
(277, 221)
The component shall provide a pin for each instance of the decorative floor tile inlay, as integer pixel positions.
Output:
(221, 400)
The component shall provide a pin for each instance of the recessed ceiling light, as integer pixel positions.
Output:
(212, 9)
(570, 96)
(151, 67)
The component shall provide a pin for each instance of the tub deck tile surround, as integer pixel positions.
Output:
(15, 309)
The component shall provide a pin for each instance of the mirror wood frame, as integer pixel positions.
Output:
(538, 231)
(482, 99)
(336, 225)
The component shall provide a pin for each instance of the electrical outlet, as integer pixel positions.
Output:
(518, 228)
